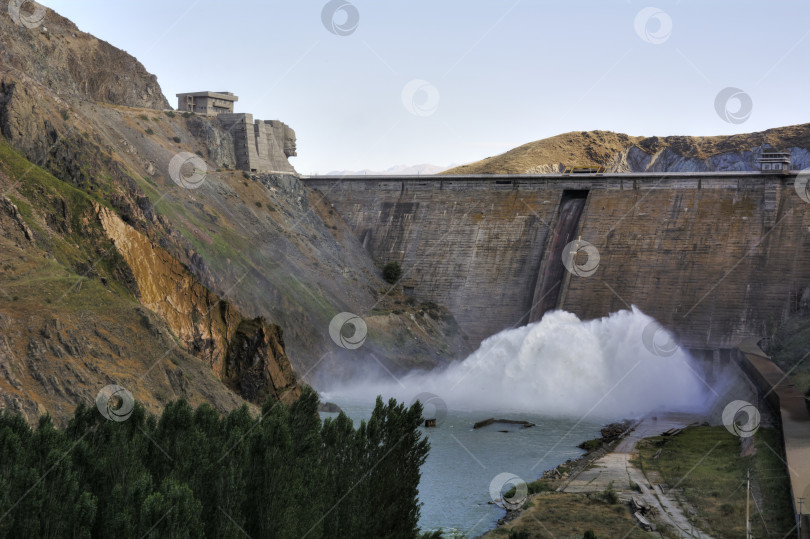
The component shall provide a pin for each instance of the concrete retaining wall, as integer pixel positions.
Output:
(259, 145)
(790, 406)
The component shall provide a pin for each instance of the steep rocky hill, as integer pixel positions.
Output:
(70, 313)
(211, 274)
(69, 62)
(624, 153)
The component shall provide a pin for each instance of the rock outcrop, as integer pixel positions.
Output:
(13, 224)
(248, 355)
(56, 54)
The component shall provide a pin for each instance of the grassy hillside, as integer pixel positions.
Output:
(705, 463)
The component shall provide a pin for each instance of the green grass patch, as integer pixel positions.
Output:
(80, 243)
(772, 477)
(705, 463)
(68, 293)
(591, 445)
(535, 487)
(558, 515)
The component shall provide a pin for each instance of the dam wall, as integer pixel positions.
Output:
(715, 257)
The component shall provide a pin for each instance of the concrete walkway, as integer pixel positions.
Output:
(615, 467)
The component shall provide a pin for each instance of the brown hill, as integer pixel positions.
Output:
(56, 54)
(624, 153)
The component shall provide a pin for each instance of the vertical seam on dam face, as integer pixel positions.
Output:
(551, 276)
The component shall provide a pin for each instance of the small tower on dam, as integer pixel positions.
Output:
(774, 161)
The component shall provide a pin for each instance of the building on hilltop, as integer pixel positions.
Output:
(207, 103)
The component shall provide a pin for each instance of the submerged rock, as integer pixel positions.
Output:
(329, 408)
(491, 420)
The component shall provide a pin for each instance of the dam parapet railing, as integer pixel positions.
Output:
(791, 408)
(528, 182)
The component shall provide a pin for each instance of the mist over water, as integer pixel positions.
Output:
(622, 365)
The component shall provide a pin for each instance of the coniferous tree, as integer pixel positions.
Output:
(307, 475)
(193, 473)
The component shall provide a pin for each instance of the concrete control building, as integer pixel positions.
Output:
(208, 103)
(773, 160)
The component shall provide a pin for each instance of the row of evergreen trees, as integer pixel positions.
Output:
(196, 473)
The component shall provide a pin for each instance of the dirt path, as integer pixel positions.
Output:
(615, 467)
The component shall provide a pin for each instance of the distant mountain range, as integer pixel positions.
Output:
(398, 170)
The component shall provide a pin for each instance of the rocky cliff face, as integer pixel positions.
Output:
(69, 323)
(248, 355)
(618, 152)
(69, 62)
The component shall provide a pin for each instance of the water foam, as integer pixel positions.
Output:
(608, 367)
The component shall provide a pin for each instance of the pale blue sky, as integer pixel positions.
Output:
(504, 72)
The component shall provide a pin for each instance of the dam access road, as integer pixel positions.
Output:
(615, 469)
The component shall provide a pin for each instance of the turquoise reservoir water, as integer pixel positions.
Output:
(455, 486)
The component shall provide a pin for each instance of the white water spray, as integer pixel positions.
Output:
(607, 368)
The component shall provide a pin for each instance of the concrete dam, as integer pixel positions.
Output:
(715, 257)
